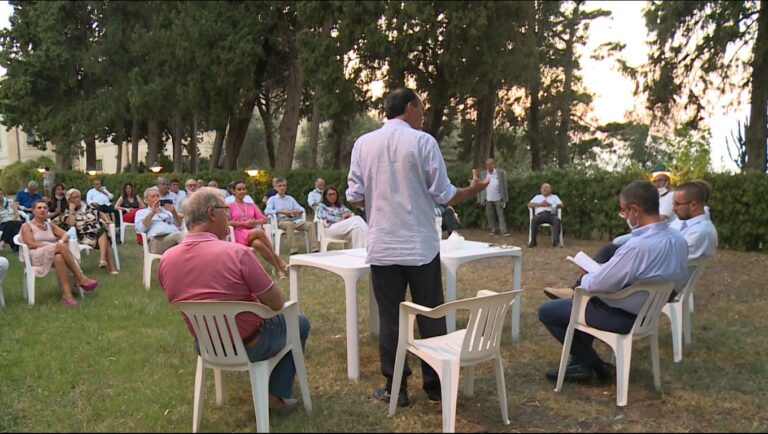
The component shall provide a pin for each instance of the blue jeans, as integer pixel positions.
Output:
(271, 342)
(556, 314)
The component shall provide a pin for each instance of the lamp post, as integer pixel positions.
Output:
(156, 168)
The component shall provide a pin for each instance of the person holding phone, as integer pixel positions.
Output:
(159, 221)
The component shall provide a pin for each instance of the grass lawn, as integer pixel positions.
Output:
(123, 360)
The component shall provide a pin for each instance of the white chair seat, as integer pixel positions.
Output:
(222, 349)
(479, 342)
(646, 324)
(324, 239)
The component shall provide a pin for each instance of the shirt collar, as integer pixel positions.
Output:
(650, 228)
(397, 123)
(695, 220)
(196, 237)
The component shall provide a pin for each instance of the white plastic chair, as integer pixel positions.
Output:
(148, 259)
(324, 239)
(446, 354)
(678, 310)
(222, 349)
(29, 271)
(277, 233)
(123, 224)
(646, 324)
(545, 225)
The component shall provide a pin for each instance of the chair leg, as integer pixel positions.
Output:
(655, 360)
(449, 379)
(397, 377)
(197, 399)
(259, 374)
(501, 390)
(564, 358)
(623, 363)
(2, 298)
(686, 314)
(277, 243)
(675, 320)
(122, 233)
(301, 374)
(30, 286)
(221, 386)
(147, 273)
(469, 380)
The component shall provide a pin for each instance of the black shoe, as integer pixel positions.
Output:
(607, 372)
(434, 396)
(383, 396)
(531, 244)
(573, 373)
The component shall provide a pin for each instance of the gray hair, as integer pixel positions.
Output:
(71, 191)
(195, 208)
(279, 181)
(32, 184)
(146, 192)
(162, 180)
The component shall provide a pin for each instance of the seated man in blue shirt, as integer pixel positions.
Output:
(288, 213)
(655, 253)
(161, 223)
(27, 197)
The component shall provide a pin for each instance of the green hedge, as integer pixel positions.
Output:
(739, 203)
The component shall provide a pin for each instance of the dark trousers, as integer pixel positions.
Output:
(114, 215)
(556, 314)
(389, 285)
(546, 217)
(10, 229)
(449, 221)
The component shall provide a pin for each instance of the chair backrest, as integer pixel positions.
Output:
(487, 312)
(216, 330)
(23, 250)
(695, 267)
(231, 234)
(648, 316)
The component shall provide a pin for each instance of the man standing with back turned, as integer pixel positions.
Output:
(397, 174)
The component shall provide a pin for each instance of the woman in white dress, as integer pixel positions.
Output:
(339, 221)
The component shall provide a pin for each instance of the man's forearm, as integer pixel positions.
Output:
(463, 194)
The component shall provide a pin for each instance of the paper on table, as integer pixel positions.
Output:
(584, 261)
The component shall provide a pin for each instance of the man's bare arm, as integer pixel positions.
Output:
(475, 187)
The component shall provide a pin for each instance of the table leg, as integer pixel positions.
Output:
(374, 309)
(516, 306)
(450, 295)
(294, 282)
(353, 356)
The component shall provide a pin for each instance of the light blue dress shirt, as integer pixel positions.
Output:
(400, 174)
(655, 253)
(276, 203)
(700, 234)
(161, 223)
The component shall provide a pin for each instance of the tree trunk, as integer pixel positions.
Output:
(314, 135)
(438, 101)
(264, 104)
(176, 127)
(90, 153)
(338, 129)
(535, 87)
(757, 130)
(120, 136)
(238, 127)
(63, 161)
(290, 123)
(486, 109)
(218, 143)
(193, 146)
(153, 139)
(135, 146)
(567, 96)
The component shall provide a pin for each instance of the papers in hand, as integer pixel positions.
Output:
(584, 261)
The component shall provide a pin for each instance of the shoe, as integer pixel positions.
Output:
(605, 373)
(90, 286)
(506, 234)
(114, 272)
(383, 396)
(492, 233)
(69, 303)
(531, 245)
(102, 264)
(573, 373)
(315, 250)
(434, 396)
(558, 293)
(293, 252)
(286, 405)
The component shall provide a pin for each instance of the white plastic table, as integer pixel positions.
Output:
(350, 265)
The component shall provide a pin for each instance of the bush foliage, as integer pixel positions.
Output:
(738, 206)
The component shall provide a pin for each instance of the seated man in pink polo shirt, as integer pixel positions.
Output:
(203, 267)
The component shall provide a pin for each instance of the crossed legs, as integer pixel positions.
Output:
(259, 240)
(63, 261)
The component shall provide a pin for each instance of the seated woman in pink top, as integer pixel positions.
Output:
(247, 220)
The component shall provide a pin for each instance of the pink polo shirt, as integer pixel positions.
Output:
(203, 267)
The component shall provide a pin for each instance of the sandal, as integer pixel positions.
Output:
(102, 264)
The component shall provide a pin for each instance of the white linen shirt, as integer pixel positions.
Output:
(400, 174)
(655, 253)
(314, 197)
(97, 197)
(492, 193)
(700, 234)
(553, 200)
(160, 224)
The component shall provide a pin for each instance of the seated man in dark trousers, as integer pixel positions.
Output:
(545, 206)
(655, 253)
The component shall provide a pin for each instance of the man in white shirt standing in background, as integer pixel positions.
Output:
(494, 198)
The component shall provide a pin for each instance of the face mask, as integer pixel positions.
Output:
(663, 191)
(629, 223)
